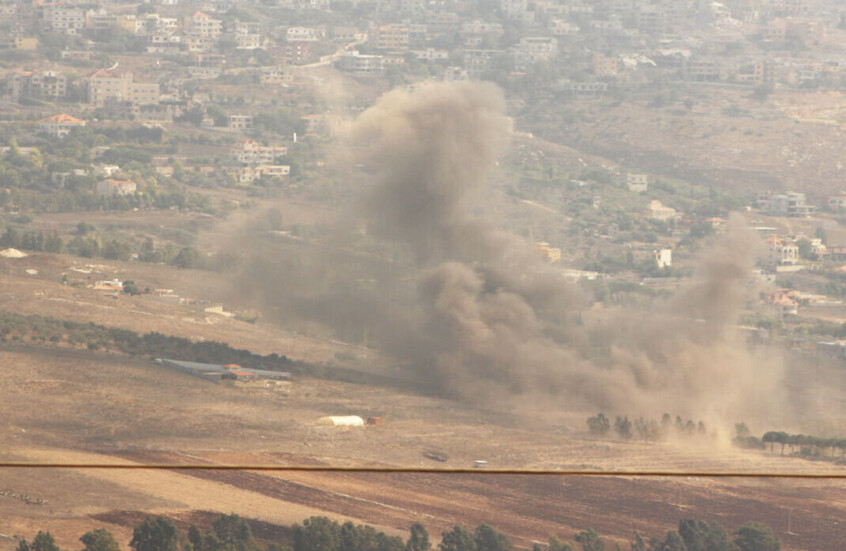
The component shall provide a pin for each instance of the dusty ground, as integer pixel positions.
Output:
(77, 406)
(67, 406)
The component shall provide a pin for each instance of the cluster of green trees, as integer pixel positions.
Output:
(32, 240)
(806, 445)
(40, 329)
(646, 429)
(800, 445)
(233, 533)
(88, 243)
(696, 535)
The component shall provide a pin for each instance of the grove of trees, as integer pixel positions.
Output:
(233, 533)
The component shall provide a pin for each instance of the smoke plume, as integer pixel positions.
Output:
(473, 311)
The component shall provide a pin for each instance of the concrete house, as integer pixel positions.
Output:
(59, 126)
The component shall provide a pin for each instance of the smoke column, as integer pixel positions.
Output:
(474, 311)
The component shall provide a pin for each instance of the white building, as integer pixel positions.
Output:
(663, 258)
(637, 183)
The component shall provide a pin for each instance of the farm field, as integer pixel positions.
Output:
(76, 406)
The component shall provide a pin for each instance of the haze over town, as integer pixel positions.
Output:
(566, 235)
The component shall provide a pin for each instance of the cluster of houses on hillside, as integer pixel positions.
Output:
(624, 40)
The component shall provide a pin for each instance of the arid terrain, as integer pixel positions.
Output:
(82, 406)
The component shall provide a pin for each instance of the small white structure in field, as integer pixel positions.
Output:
(341, 421)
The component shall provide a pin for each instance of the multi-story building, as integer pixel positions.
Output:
(247, 27)
(249, 174)
(250, 152)
(392, 38)
(781, 251)
(605, 65)
(478, 62)
(275, 75)
(295, 52)
(658, 211)
(158, 24)
(100, 20)
(355, 62)
(63, 19)
(791, 203)
(703, 70)
(17, 41)
(534, 49)
(204, 25)
(548, 253)
(637, 183)
(513, 9)
(38, 84)
(301, 34)
(248, 41)
(104, 85)
(240, 122)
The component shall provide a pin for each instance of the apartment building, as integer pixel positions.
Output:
(38, 84)
(104, 85)
(63, 19)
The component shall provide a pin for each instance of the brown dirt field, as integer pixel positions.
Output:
(39, 294)
(69, 405)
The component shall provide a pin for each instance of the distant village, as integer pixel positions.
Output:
(132, 104)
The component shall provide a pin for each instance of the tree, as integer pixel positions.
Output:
(699, 535)
(599, 425)
(590, 540)
(459, 539)
(44, 542)
(117, 250)
(130, 288)
(418, 540)
(385, 542)
(188, 257)
(557, 545)
(233, 533)
(763, 91)
(821, 235)
(674, 542)
(195, 538)
(155, 534)
(623, 427)
(99, 540)
(490, 539)
(317, 534)
(351, 538)
(755, 536)
(806, 250)
(638, 544)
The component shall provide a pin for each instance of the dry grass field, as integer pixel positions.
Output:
(78, 406)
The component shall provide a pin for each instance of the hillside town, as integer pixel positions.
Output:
(154, 105)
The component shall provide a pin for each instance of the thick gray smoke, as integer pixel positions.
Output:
(473, 310)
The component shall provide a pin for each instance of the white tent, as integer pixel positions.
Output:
(342, 421)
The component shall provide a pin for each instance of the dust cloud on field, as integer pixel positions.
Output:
(472, 311)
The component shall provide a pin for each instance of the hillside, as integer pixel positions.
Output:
(718, 136)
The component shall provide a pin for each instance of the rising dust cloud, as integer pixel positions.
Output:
(473, 311)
